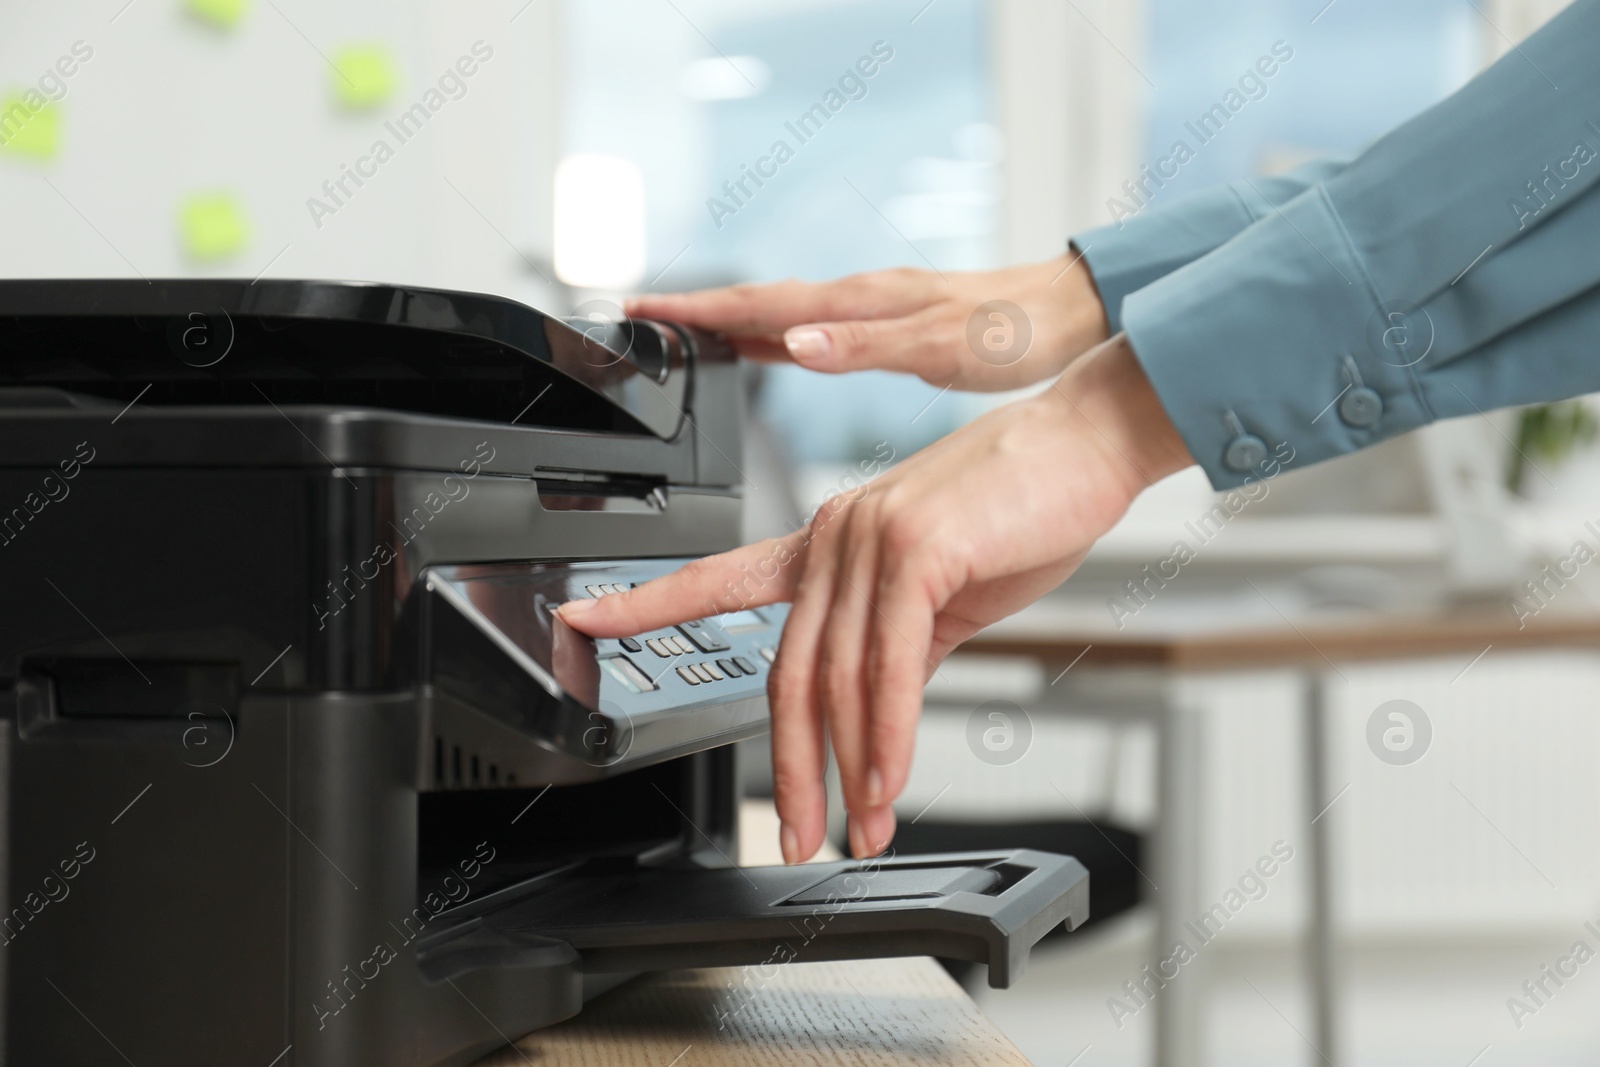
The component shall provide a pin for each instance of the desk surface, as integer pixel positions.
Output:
(869, 1013)
(1268, 636)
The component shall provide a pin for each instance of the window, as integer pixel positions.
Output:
(1362, 67)
(799, 140)
(761, 150)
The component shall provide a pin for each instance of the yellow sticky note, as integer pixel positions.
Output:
(211, 226)
(224, 14)
(28, 130)
(363, 75)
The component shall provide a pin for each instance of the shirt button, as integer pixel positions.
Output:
(1244, 452)
(1361, 407)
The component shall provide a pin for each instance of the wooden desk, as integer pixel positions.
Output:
(1348, 639)
(870, 1013)
(876, 1013)
(1132, 668)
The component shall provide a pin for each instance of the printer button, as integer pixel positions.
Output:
(769, 654)
(593, 590)
(625, 671)
(658, 647)
(700, 669)
(705, 638)
(731, 669)
(714, 671)
(744, 665)
(689, 676)
(630, 644)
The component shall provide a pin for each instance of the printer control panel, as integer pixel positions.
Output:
(495, 642)
(700, 652)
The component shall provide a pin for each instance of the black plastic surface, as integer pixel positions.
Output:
(225, 373)
(984, 907)
(208, 342)
(226, 676)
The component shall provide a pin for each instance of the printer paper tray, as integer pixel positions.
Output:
(984, 907)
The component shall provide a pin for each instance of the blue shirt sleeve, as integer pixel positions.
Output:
(1132, 252)
(1437, 274)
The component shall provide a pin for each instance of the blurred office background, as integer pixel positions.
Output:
(576, 161)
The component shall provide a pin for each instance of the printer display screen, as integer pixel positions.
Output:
(738, 622)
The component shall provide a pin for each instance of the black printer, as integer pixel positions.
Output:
(299, 766)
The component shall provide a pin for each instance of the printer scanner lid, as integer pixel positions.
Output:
(319, 363)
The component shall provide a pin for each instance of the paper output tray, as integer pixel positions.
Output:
(984, 907)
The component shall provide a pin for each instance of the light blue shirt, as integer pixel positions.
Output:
(1451, 268)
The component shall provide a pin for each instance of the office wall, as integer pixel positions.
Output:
(172, 106)
(1068, 104)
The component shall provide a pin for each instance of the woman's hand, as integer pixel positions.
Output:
(955, 537)
(915, 321)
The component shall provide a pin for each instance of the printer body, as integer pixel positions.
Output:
(299, 762)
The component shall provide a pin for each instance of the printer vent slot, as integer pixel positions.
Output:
(455, 767)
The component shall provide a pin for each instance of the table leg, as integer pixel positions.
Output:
(1177, 876)
(1321, 953)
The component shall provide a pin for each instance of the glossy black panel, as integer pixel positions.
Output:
(986, 907)
(206, 342)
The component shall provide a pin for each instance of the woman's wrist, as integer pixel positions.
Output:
(1106, 394)
(1091, 326)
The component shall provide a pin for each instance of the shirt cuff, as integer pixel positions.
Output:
(1273, 351)
(1133, 252)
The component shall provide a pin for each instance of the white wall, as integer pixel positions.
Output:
(1068, 99)
(169, 106)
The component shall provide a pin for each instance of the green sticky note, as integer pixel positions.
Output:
(224, 14)
(211, 226)
(26, 130)
(363, 76)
